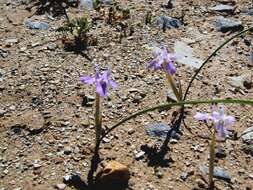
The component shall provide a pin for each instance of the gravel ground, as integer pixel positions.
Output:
(46, 114)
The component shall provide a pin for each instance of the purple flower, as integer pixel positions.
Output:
(220, 120)
(163, 61)
(101, 80)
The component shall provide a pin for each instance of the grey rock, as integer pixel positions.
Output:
(184, 55)
(51, 46)
(248, 149)
(2, 112)
(2, 72)
(107, 2)
(248, 11)
(184, 175)
(86, 4)
(36, 25)
(160, 130)
(220, 153)
(72, 178)
(224, 24)
(219, 173)
(223, 8)
(3, 53)
(36, 164)
(247, 135)
(168, 22)
(242, 81)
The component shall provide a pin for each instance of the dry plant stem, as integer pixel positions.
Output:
(98, 119)
(173, 86)
(212, 158)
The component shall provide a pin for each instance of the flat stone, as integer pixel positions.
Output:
(36, 25)
(223, 8)
(88, 4)
(160, 130)
(11, 41)
(224, 24)
(184, 54)
(247, 135)
(51, 46)
(33, 120)
(168, 22)
(219, 173)
(61, 186)
(242, 81)
(139, 155)
(107, 2)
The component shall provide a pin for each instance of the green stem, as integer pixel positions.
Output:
(212, 159)
(180, 103)
(98, 119)
(209, 58)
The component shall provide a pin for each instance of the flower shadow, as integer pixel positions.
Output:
(156, 157)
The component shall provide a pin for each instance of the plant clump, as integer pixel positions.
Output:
(75, 34)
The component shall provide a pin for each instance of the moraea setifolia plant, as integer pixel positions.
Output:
(102, 82)
(220, 122)
(165, 61)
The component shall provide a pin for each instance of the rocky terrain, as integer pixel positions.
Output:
(46, 114)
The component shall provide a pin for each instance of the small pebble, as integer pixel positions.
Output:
(139, 155)
(61, 186)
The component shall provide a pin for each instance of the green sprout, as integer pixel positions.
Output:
(78, 28)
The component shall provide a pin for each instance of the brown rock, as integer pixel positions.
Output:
(114, 173)
(30, 186)
(33, 120)
(18, 17)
